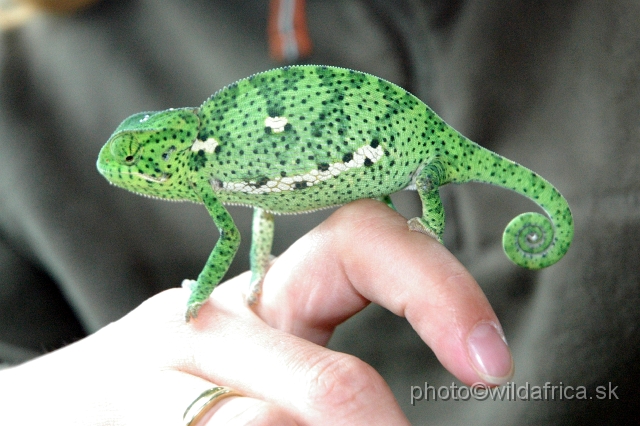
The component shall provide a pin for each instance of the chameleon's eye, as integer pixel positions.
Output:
(125, 148)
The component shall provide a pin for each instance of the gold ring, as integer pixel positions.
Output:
(203, 403)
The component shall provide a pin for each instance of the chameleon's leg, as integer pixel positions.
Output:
(219, 259)
(260, 256)
(428, 183)
(387, 200)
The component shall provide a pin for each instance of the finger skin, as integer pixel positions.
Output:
(116, 376)
(315, 385)
(246, 411)
(149, 366)
(365, 252)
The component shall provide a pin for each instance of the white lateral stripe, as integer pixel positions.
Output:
(150, 178)
(208, 146)
(310, 178)
(276, 123)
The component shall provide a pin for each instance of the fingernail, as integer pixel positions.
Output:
(489, 353)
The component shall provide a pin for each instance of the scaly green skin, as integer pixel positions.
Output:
(301, 138)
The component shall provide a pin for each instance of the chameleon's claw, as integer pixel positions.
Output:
(193, 307)
(415, 224)
(192, 311)
(255, 288)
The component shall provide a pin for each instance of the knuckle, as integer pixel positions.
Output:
(341, 380)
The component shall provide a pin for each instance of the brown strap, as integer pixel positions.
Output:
(287, 30)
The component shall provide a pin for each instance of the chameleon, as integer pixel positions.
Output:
(300, 138)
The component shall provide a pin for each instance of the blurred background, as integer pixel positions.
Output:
(554, 85)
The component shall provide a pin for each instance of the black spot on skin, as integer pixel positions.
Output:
(300, 185)
(347, 157)
(323, 167)
(275, 111)
(288, 127)
(198, 161)
(217, 149)
(368, 162)
(374, 143)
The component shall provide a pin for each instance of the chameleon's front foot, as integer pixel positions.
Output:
(192, 311)
(194, 304)
(417, 224)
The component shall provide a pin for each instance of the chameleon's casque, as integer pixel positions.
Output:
(301, 138)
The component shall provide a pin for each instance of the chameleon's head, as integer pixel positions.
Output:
(148, 153)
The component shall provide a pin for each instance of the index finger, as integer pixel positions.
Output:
(365, 252)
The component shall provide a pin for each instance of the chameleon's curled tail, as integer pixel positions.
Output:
(530, 240)
(533, 240)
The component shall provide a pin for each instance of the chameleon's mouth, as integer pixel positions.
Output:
(109, 174)
(161, 179)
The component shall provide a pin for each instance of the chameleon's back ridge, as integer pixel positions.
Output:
(300, 138)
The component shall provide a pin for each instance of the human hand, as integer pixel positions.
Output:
(147, 367)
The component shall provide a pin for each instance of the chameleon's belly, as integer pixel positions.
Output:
(364, 176)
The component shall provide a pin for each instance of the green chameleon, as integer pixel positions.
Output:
(301, 138)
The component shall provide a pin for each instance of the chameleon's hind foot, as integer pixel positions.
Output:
(416, 224)
(255, 288)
